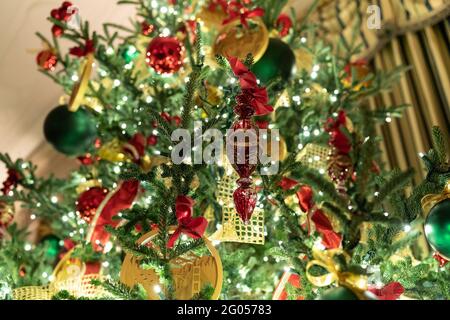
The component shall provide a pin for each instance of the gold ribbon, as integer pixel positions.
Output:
(79, 90)
(429, 201)
(68, 275)
(325, 259)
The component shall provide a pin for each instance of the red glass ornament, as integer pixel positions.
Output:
(152, 140)
(47, 60)
(165, 55)
(244, 160)
(89, 201)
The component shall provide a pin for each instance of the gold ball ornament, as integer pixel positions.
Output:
(304, 59)
(190, 272)
(212, 19)
(238, 41)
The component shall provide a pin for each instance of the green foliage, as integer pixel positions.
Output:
(134, 99)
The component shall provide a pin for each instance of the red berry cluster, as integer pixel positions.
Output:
(11, 182)
(63, 14)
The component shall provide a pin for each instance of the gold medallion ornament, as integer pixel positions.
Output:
(235, 40)
(191, 273)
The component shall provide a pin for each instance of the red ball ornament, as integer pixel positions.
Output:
(165, 55)
(47, 60)
(89, 201)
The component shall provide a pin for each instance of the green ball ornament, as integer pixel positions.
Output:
(344, 293)
(129, 53)
(278, 60)
(53, 246)
(437, 228)
(71, 133)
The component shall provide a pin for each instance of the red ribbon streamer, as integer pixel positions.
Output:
(285, 23)
(337, 138)
(305, 196)
(192, 227)
(122, 199)
(391, 291)
(252, 94)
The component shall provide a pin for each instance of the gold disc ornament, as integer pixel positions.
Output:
(191, 272)
(238, 41)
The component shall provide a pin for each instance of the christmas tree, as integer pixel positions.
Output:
(148, 216)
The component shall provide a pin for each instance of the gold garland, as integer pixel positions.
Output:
(325, 259)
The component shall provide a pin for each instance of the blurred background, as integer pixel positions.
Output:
(413, 32)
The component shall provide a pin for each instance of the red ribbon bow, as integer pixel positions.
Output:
(236, 10)
(192, 227)
(252, 94)
(391, 291)
(83, 51)
(337, 138)
(285, 23)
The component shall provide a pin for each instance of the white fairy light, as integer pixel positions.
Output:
(116, 83)
(407, 228)
(110, 51)
(303, 40)
(333, 98)
(75, 78)
(157, 289)
(27, 247)
(54, 199)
